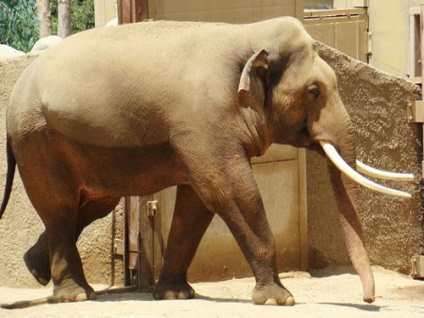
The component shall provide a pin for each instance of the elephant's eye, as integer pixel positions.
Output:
(313, 91)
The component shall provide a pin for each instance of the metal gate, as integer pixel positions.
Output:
(143, 243)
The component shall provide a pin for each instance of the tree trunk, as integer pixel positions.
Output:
(64, 18)
(44, 18)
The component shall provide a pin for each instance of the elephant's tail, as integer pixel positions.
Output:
(11, 167)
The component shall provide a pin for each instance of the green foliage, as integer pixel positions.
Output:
(82, 15)
(18, 23)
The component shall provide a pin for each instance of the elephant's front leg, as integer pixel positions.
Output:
(224, 181)
(245, 216)
(190, 221)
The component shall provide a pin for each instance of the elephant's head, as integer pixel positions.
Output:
(296, 93)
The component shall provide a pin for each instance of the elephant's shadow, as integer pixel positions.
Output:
(147, 296)
(362, 307)
(139, 296)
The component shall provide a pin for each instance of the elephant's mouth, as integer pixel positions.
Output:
(338, 161)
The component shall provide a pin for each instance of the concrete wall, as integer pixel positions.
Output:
(20, 225)
(393, 228)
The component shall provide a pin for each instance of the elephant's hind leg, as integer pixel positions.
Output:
(68, 277)
(37, 258)
(60, 215)
(190, 221)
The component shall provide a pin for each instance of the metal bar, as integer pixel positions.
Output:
(124, 11)
(333, 13)
(131, 11)
(126, 220)
(147, 248)
(422, 67)
(418, 260)
(416, 112)
(133, 232)
(141, 10)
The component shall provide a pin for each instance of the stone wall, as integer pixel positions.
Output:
(20, 225)
(393, 228)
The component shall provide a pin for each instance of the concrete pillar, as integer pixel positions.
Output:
(105, 11)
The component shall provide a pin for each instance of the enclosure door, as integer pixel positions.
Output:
(236, 11)
(280, 175)
(344, 29)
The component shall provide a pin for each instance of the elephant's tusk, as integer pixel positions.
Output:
(376, 173)
(338, 161)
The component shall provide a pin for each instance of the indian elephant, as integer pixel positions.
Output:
(133, 109)
(45, 43)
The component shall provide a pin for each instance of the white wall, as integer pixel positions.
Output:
(342, 4)
(104, 10)
(389, 25)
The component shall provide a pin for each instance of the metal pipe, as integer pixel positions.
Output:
(422, 70)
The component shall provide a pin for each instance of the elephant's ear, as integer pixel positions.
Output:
(252, 87)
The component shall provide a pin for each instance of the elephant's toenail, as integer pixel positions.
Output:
(81, 297)
(271, 301)
(289, 301)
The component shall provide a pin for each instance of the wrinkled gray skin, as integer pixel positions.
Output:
(133, 109)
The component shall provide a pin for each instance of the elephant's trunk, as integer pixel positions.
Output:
(346, 196)
(344, 178)
(346, 193)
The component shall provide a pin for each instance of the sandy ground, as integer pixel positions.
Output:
(329, 293)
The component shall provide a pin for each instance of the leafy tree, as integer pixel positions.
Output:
(44, 18)
(82, 15)
(18, 23)
(64, 18)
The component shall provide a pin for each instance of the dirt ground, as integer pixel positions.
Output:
(335, 292)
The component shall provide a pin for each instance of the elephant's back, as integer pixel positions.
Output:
(106, 86)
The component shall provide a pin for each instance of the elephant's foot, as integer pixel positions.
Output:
(272, 295)
(38, 263)
(72, 293)
(169, 291)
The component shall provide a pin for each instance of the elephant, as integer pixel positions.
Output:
(7, 51)
(45, 43)
(133, 109)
